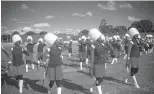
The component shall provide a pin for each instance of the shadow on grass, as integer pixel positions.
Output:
(107, 78)
(74, 87)
(72, 65)
(34, 86)
(6, 80)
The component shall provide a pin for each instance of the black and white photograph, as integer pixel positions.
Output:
(77, 47)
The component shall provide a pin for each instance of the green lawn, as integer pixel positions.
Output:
(79, 82)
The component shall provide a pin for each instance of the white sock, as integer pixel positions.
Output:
(80, 65)
(20, 86)
(135, 82)
(105, 66)
(32, 66)
(91, 89)
(113, 60)
(69, 54)
(116, 60)
(87, 61)
(125, 56)
(99, 89)
(26, 68)
(59, 90)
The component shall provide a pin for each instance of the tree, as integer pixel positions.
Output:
(42, 33)
(143, 25)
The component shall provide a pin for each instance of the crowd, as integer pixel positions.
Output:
(93, 51)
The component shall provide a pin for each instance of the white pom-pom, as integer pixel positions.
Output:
(94, 34)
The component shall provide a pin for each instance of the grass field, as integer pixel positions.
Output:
(79, 82)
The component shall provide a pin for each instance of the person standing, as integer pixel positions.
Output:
(82, 51)
(18, 68)
(29, 46)
(54, 70)
(133, 54)
(100, 57)
(70, 48)
(41, 45)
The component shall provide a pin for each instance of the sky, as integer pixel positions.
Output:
(71, 16)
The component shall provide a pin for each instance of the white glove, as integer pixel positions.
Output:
(10, 62)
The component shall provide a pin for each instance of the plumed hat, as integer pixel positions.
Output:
(29, 37)
(94, 34)
(40, 39)
(16, 38)
(50, 38)
(133, 31)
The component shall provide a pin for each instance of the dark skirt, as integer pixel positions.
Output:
(82, 55)
(134, 62)
(70, 50)
(30, 57)
(115, 54)
(54, 73)
(99, 70)
(17, 70)
(40, 55)
(126, 49)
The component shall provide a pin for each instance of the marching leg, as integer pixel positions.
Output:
(135, 82)
(80, 65)
(113, 61)
(59, 90)
(99, 89)
(33, 66)
(26, 67)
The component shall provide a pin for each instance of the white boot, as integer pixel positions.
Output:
(32, 66)
(99, 89)
(59, 90)
(20, 86)
(69, 54)
(91, 89)
(105, 66)
(116, 60)
(80, 65)
(49, 91)
(135, 82)
(125, 56)
(113, 61)
(87, 61)
(26, 68)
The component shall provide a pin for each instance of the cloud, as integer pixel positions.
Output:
(83, 15)
(78, 14)
(89, 14)
(26, 29)
(17, 21)
(68, 29)
(132, 19)
(25, 7)
(126, 5)
(49, 17)
(110, 5)
(40, 25)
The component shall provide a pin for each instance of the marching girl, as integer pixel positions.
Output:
(29, 46)
(115, 54)
(133, 54)
(82, 51)
(18, 67)
(126, 43)
(41, 45)
(100, 55)
(70, 48)
(54, 70)
(4, 69)
(88, 49)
